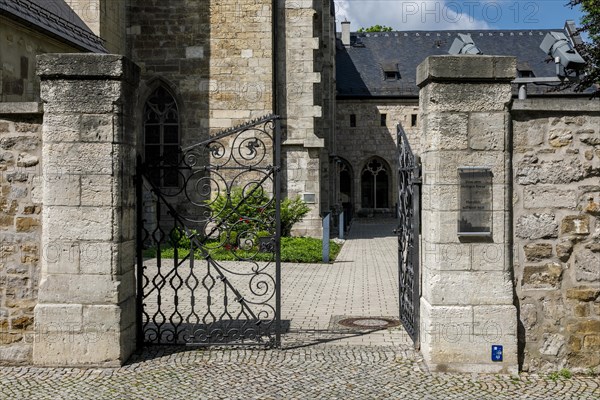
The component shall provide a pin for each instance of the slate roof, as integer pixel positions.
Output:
(54, 18)
(360, 67)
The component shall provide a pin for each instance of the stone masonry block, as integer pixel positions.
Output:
(97, 258)
(487, 131)
(87, 66)
(103, 349)
(446, 256)
(548, 276)
(92, 97)
(464, 97)
(59, 318)
(445, 197)
(442, 226)
(587, 266)
(441, 167)
(80, 158)
(537, 251)
(98, 128)
(61, 189)
(536, 226)
(446, 131)
(85, 289)
(466, 68)
(494, 322)
(92, 223)
(466, 287)
(547, 196)
(97, 190)
(453, 346)
(59, 127)
(60, 257)
(575, 225)
(489, 256)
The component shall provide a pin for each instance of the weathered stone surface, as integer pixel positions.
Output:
(592, 207)
(587, 266)
(581, 310)
(542, 276)
(22, 143)
(591, 140)
(537, 226)
(26, 224)
(560, 138)
(564, 248)
(583, 293)
(546, 196)
(552, 344)
(485, 131)
(589, 326)
(529, 316)
(532, 171)
(575, 225)
(7, 157)
(465, 67)
(538, 251)
(27, 160)
(592, 342)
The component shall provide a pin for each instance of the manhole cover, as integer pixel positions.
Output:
(369, 323)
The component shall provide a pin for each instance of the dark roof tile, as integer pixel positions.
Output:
(358, 68)
(55, 18)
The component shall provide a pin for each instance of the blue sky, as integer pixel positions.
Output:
(448, 14)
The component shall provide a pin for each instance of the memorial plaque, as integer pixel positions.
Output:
(475, 202)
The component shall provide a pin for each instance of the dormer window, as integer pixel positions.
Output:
(390, 72)
(525, 73)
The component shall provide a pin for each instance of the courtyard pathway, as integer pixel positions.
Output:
(321, 359)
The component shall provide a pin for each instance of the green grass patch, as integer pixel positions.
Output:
(293, 249)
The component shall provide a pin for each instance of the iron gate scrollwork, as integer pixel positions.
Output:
(409, 179)
(208, 245)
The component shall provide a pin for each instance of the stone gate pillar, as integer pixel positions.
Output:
(86, 305)
(467, 293)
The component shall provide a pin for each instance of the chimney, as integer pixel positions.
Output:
(572, 33)
(346, 33)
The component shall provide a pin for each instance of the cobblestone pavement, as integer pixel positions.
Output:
(320, 358)
(314, 372)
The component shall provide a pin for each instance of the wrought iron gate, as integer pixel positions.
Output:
(213, 201)
(409, 179)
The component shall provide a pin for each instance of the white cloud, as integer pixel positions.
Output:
(415, 15)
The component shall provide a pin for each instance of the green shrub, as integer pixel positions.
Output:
(293, 249)
(248, 209)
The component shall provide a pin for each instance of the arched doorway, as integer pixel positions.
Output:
(375, 184)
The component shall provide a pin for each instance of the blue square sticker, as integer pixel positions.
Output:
(496, 352)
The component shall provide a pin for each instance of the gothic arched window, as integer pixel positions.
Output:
(375, 185)
(161, 136)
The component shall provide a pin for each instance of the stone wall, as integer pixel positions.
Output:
(18, 48)
(369, 138)
(20, 207)
(556, 166)
(106, 18)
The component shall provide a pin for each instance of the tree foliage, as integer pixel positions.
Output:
(376, 28)
(590, 49)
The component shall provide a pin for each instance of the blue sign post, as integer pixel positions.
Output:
(326, 223)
